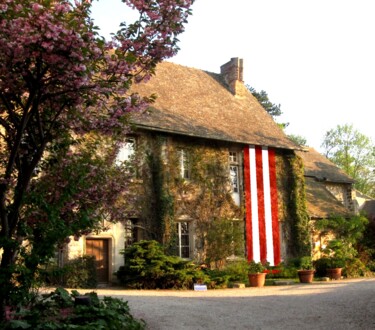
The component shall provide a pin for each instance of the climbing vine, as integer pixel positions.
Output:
(300, 226)
(204, 198)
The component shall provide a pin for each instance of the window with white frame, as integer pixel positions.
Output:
(183, 239)
(234, 176)
(184, 164)
(126, 151)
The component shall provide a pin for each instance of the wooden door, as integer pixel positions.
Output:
(99, 249)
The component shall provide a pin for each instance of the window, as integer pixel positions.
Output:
(184, 164)
(126, 151)
(129, 237)
(234, 176)
(183, 239)
(233, 157)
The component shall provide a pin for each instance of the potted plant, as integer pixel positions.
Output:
(256, 274)
(335, 264)
(306, 270)
(337, 253)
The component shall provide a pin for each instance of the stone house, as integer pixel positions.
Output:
(207, 156)
(329, 192)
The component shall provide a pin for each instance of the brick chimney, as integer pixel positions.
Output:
(232, 73)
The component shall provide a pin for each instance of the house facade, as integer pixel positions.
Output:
(215, 177)
(329, 193)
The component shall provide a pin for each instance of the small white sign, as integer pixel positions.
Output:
(200, 287)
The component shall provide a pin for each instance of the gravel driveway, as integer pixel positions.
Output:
(344, 304)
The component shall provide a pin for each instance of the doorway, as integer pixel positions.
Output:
(99, 248)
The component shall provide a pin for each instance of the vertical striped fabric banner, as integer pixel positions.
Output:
(262, 223)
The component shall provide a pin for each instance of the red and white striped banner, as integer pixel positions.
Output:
(262, 223)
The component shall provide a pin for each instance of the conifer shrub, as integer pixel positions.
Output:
(146, 266)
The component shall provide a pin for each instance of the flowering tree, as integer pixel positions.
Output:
(58, 80)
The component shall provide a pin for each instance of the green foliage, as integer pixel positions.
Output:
(237, 271)
(218, 279)
(81, 273)
(224, 238)
(163, 201)
(256, 267)
(341, 251)
(284, 270)
(305, 263)
(273, 109)
(204, 197)
(234, 271)
(298, 139)
(354, 153)
(355, 268)
(57, 310)
(148, 267)
(322, 264)
(76, 273)
(301, 228)
(346, 235)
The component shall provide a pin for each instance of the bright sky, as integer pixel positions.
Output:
(314, 57)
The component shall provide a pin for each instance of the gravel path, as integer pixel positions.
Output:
(344, 304)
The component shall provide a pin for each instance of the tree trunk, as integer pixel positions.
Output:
(5, 276)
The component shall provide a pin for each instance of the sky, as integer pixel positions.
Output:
(316, 58)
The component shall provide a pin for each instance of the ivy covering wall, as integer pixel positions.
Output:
(205, 199)
(292, 205)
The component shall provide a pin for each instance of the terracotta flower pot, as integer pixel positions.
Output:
(306, 275)
(334, 273)
(257, 280)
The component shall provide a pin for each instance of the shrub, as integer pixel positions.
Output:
(321, 265)
(57, 310)
(355, 268)
(283, 270)
(218, 279)
(76, 273)
(81, 273)
(256, 267)
(237, 271)
(148, 267)
(306, 263)
(371, 265)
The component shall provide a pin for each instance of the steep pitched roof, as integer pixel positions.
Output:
(318, 171)
(321, 203)
(320, 167)
(197, 103)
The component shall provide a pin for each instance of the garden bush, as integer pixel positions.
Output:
(355, 268)
(76, 273)
(321, 265)
(148, 267)
(285, 270)
(57, 310)
(234, 271)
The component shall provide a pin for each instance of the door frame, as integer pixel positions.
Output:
(109, 254)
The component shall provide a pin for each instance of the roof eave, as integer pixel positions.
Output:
(171, 131)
